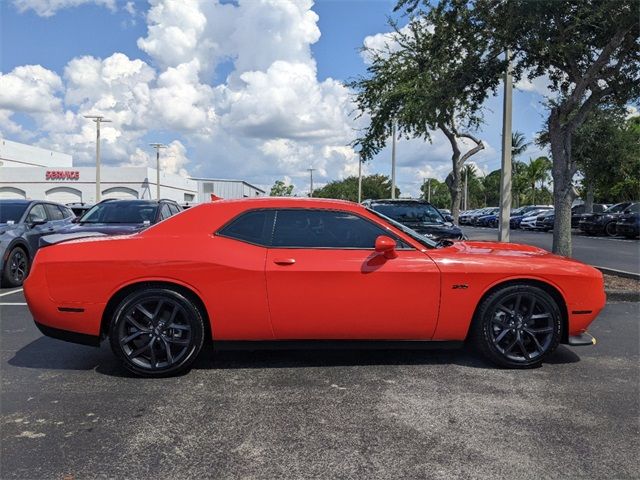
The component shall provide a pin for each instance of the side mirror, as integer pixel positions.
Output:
(386, 246)
(36, 222)
(448, 218)
(75, 220)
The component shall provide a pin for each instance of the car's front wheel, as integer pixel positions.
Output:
(156, 332)
(610, 229)
(16, 268)
(517, 326)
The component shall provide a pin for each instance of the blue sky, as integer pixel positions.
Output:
(216, 105)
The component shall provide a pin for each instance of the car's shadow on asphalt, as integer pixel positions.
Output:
(49, 354)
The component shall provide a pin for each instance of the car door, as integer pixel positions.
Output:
(38, 225)
(326, 281)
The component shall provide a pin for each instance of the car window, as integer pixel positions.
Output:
(635, 208)
(37, 214)
(174, 209)
(12, 212)
(53, 212)
(67, 212)
(121, 211)
(306, 228)
(252, 227)
(410, 212)
(165, 212)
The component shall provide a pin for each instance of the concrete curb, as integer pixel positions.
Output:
(623, 295)
(619, 273)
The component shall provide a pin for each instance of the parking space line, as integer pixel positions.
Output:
(12, 303)
(4, 294)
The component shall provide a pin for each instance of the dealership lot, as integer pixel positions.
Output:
(617, 253)
(71, 410)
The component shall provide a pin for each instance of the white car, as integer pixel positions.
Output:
(529, 222)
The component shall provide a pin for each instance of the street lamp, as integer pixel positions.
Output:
(158, 146)
(98, 119)
(310, 170)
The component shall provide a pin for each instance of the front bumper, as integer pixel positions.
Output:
(627, 228)
(581, 339)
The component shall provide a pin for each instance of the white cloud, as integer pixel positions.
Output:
(539, 85)
(30, 88)
(47, 8)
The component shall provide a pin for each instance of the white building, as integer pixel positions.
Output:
(36, 173)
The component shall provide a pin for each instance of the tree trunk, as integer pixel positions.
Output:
(563, 192)
(588, 198)
(533, 193)
(455, 189)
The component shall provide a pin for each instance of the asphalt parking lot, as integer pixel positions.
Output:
(69, 410)
(617, 253)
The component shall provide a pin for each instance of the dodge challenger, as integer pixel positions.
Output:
(282, 269)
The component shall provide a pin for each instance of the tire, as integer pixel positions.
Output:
(156, 332)
(610, 229)
(16, 268)
(517, 341)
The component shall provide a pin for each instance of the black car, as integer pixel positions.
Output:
(22, 224)
(418, 215)
(121, 217)
(629, 222)
(605, 222)
(577, 211)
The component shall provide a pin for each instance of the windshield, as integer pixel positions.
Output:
(617, 208)
(12, 212)
(410, 212)
(635, 208)
(120, 212)
(412, 233)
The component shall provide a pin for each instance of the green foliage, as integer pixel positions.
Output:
(537, 172)
(279, 189)
(607, 150)
(440, 195)
(373, 187)
(518, 144)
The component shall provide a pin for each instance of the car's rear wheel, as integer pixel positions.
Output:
(156, 332)
(517, 326)
(16, 268)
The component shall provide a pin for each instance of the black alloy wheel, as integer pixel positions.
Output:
(610, 229)
(157, 332)
(517, 326)
(16, 268)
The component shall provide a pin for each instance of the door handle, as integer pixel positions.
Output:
(284, 261)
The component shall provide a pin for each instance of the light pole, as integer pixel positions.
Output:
(429, 190)
(310, 170)
(158, 146)
(98, 119)
(393, 161)
(360, 178)
(505, 173)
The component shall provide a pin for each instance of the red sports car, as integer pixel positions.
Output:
(300, 269)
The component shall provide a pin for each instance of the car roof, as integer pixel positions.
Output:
(299, 202)
(16, 201)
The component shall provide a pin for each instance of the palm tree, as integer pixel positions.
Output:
(518, 145)
(537, 171)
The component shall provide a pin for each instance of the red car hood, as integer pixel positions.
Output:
(499, 248)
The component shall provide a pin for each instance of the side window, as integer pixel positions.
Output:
(324, 229)
(174, 209)
(37, 214)
(165, 212)
(252, 227)
(53, 212)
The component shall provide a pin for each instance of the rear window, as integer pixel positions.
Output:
(251, 227)
(121, 212)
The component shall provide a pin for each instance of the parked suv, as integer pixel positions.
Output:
(418, 215)
(22, 223)
(121, 217)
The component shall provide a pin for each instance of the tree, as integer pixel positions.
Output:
(426, 82)
(607, 150)
(518, 144)
(440, 194)
(280, 189)
(373, 187)
(537, 171)
(589, 51)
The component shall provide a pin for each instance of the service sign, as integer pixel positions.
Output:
(62, 175)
